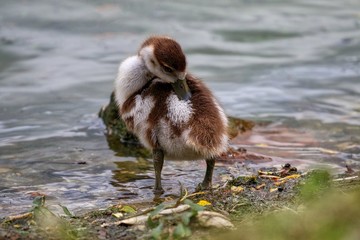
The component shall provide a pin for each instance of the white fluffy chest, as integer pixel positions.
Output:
(179, 112)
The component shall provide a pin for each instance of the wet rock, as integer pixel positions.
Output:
(213, 219)
(237, 125)
(118, 137)
(114, 124)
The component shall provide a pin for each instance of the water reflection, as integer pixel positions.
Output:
(126, 149)
(129, 171)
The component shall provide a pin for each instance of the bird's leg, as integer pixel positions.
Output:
(206, 184)
(158, 156)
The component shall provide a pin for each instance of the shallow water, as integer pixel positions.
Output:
(294, 65)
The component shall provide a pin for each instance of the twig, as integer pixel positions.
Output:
(344, 179)
(21, 216)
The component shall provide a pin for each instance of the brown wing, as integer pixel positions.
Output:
(208, 124)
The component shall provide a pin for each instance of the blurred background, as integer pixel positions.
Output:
(293, 66)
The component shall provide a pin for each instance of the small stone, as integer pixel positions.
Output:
(213, 219)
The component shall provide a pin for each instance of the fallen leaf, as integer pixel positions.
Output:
(260, 186)
(118, 215)
(294, 176)
(237, 189)
(21, 216)
(270, 177)
(130, 221)
(280, 182)
(204, 203)
(128, 209)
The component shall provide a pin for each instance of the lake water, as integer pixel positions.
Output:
(294, 65)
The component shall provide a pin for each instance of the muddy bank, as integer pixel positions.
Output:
(239, 202)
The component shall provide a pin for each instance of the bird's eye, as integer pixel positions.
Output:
(167, 69)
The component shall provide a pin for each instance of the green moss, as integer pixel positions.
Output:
(120, 140)
(244, 180)
(237, 125)
(317, 182)
(114, 124)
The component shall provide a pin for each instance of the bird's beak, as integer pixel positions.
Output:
(181, 89)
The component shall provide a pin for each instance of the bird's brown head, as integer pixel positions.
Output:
(165, 59)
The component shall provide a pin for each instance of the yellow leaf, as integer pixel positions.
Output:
(118, 215)
(273, 189)
(294, 176)
(237, 189)
(270, 177)
(280, 183)
(204, 203)
(260, 186)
